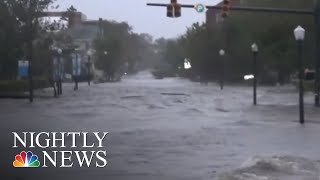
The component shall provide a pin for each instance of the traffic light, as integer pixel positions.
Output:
(174, 9)
(177, 10)
(170, 11)
(225, 8)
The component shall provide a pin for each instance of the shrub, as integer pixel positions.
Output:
(9, 86)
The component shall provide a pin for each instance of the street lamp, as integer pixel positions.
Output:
(299, 34)
(59, 51)
(222, 53)
(255, 50)
(57, 70)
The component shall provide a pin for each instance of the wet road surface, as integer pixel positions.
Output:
(165, 129)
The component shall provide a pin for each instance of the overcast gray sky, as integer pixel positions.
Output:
(143, 18)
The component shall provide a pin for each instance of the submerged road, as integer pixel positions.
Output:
(169, 129)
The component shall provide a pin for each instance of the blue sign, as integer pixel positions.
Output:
(200, 8)
(23, 68)
(76, 65)
(58, 69)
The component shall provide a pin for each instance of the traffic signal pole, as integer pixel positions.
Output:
(243, 8)
(317, 53)
(313, 12)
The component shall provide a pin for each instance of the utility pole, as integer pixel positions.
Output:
(30, 44)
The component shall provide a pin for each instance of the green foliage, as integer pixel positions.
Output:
(272, 32)
(21, 28)
(308, 86)
(119, 47)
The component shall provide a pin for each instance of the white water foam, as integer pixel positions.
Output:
(275, 168)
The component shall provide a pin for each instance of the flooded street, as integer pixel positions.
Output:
(171, 129)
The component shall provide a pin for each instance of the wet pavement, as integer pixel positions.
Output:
(166, 129)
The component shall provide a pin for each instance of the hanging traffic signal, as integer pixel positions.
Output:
(177, 10)
(225, 8)
(170, 11)
(174, 9)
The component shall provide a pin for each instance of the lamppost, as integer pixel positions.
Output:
(76, 68)
(89, 53)
(59, 82)
(57, 70)
(299, 34)
(255, 50)
(107, 75)
(222, 53)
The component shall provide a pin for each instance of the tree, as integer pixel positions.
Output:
(21, 26)
(119, 49)
(273, 33)
(9, 45)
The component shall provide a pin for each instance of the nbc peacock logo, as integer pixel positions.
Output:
(26, 160)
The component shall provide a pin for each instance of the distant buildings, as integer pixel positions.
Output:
(83, 33)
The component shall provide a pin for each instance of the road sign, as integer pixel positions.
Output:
(200, 8)
(187, 64)
(23, 68)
